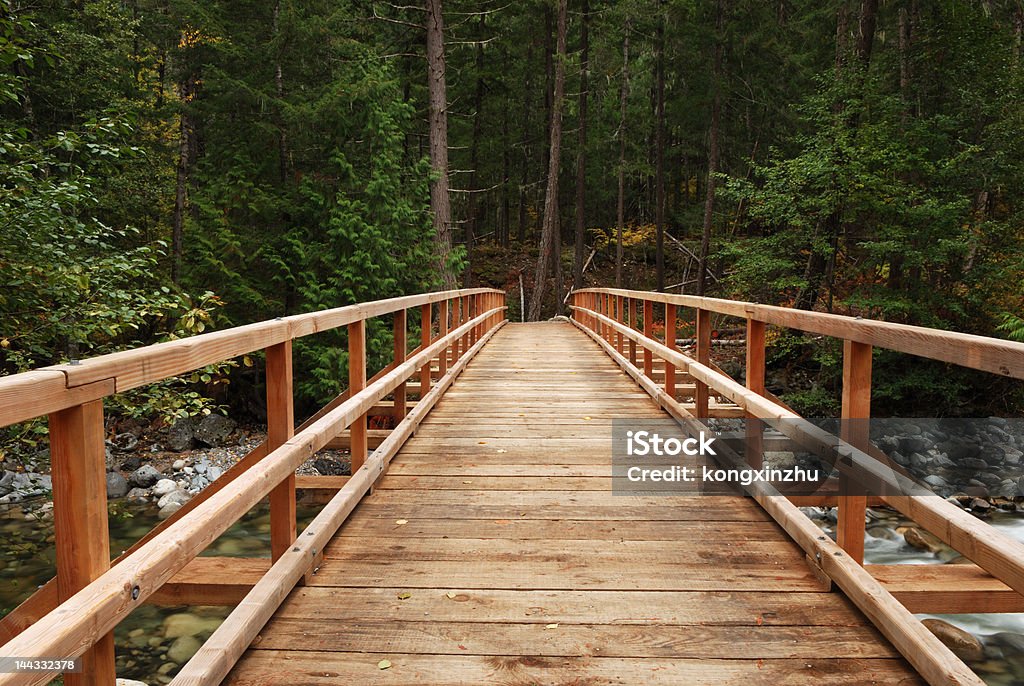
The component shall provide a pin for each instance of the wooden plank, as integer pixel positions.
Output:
(400, 349)
(682, 608)
(33, 394)
(574, 640)
(212, 581)
(280, 428)
(79, 471)
(649, 333)
(947, 589)
(703, 356)
(856, 406)
(755, 373)
(426, 312)
(264, 667)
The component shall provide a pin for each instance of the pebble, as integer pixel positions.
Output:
(178, 465)
(183, 648)
(963, 644)
(163, 487)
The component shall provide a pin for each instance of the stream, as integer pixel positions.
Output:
(153, 642)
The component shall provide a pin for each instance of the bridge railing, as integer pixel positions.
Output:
(74, 614)
(623, 323)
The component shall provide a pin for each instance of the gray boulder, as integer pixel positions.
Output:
(117, 485)
(145, 476)
(181, 434)
(177, 496)
(214, 430)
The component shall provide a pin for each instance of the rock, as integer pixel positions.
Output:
(175, 496)
(117, 485)
(163, 487)
(963, 644)
(980, 506)
(214, 473)
(972, 464)
(181, 434)
(178, 465)
(189, 470)
(214, 430)
(124, 443)
(922, 540)
(914, 444)
(129, 682)
(145, 476)
(329, 467)
(935, 481)
(139, 495)
(131, 464)
(202, 466)
(168, 510)
(183, 648)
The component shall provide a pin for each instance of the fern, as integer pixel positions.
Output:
(1012, 325)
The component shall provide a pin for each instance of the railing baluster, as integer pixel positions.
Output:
(619, 317)
(703, 355)
(79, 471)
(280, 427)
(442, 319)
(356, 383)
(648, 333)
(401, 349)
(755, 382)
(856, 407)
(631, 317)
(670, 342)
(425, 338)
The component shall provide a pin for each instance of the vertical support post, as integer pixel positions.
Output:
(78, 465)
(631, 323)
(425, 324)
(670, 343)
(856, 407)
(401, 345)
(280, 428)
(648, 333)
(443, 331)
(703, 355)
(356, 383)
(755, 382)
(619, 317)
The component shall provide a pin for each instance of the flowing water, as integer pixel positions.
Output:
(153, 642)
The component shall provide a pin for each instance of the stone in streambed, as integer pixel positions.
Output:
(214, 430)
(168, 509)
(963, 644)
(117, 486)
(175, 496)
(163, 487)
(922, 540)
(145, 476)
(183, 648)
(181, 435)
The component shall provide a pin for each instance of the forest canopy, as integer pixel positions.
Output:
(168, 167)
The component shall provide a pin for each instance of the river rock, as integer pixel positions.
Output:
(183, 648)
(117, 486)
(963, 644)
(214, 473)
(145, 476)
(188, 624)
(181, 435)
(175, 496)
(214, 430)
(328, 467)
(139, 495)
(922, 540)
(124, 443)
(178, 465)
(129, 682)
(163, 487)
(168, 509)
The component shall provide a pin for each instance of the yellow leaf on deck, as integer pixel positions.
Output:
(404, 596)
(384, 664)
(400, 522)
(551, 626)
(450, 594)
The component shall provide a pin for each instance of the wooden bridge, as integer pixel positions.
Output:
(480, 541)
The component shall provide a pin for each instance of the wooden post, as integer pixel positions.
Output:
(755, 382)
(442, 319)
(703, 355)
(670, 343)
(400, 352)
(425, 324)
(79, 471)
(356, 383)
(856, 406)
(648, 333)
(280, 428)
(631, 322)
(619, 317)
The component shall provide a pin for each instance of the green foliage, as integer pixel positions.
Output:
(1013, 326)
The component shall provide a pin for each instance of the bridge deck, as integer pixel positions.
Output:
(494, 552)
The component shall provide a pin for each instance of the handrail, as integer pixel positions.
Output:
(57, 387)
(95, 598)
(994, 355)
(933, 660)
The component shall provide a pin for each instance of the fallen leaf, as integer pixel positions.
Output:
(502, 450)
(481, 442)
(760, 620)
(384, 664)
(462, 647)
(400, 522)
(467, 482)
(551, 626)
(404, 596)
(587, 418)
(450, 594)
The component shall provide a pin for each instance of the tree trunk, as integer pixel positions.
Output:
(440, 202)
(581, 153)
(716, 106)
(527, 109)
(472, 210)
(550, 240)
(505, 221)
(282, 134)
(186, 92)
(620, 219)
(659, 150)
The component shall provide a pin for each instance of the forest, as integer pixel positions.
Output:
(173, 166)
